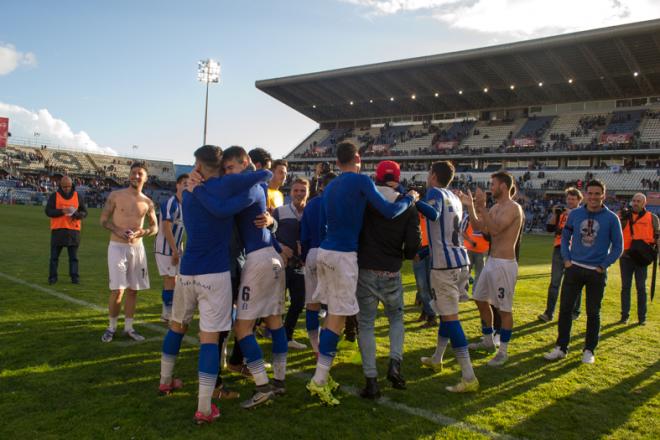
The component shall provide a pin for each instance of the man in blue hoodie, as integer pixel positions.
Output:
(590, 243)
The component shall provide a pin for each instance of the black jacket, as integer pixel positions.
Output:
(384, 243)
(65, 237)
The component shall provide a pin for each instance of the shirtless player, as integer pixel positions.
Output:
(123, 215)
(498, 279)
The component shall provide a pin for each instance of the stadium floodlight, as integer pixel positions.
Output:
(208, 71)
(351, 103)
(635, 74)
(541, 84)
(313, 105)
(460, 92)
(485, 89)
(413, 97)
(392, 98)
(436, 94)
(570, 80)
(371, 101)
(512, 87)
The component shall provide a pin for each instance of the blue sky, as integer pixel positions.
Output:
(123, 72)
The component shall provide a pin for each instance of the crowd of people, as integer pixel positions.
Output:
(337, 245)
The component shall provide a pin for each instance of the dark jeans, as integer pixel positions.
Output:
(628, 269)
(556, 274)
(295, 282)
(54, 260)
(351, 329)
(575, 278)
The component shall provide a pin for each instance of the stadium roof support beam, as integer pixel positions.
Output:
(480, 83)
(506, 78)
(645, 86)
(612, 87)
(532, 72)
(580, 90)
(456, 87)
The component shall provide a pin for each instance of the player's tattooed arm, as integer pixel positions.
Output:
(106, 215)
(152, 220)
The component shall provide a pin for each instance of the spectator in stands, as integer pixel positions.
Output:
(66, 210)
(641, 232)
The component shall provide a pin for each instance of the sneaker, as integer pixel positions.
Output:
(261, 395)
(428, 362)
(107, 335)
(588, 357)
(464, 387)
(642, 323)
(556, 354)
(498, 360)
(202, 419)
(241, 369)
(431, 322)
(575, 316)
(486, 344)
(545, 318)
(165, 389)
(324, 392)
(346, 345)
(323, 313)
(295, 345)
(133, 335)
(623, 321)
(334, 386)
(224, 393)
(356, 358)
(279, 388)
(496, 340)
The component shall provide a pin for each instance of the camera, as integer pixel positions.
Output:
(626, 213)
(558, 210)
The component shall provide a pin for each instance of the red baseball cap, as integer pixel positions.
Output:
(388, 171)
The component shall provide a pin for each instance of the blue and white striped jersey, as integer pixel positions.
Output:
(170, 211)
(445, 235)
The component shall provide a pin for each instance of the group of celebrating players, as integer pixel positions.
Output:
(225, 205)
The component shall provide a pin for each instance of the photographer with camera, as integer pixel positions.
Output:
(641, 230)
(288, 234)
(560, 214)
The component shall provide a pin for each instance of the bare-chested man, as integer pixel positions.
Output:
(498, 279)
(123, 215)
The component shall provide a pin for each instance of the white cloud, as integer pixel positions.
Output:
(523, 18)
(10, 59)
(23, 123)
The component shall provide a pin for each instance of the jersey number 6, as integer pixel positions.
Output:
(245, 295)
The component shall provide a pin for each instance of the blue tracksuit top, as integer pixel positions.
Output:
(208, 216)
(310, 227)
(343, 205)
(592, 238)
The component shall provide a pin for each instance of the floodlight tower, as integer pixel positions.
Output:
(208, 71)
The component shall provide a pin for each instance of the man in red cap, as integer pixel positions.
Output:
(384, 244)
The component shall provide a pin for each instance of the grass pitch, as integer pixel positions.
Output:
(58, 380)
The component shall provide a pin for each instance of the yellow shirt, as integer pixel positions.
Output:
(275, 199)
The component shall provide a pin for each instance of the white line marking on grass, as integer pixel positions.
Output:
(431, 416)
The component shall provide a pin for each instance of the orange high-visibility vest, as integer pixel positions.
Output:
(642, 230)
(560, 226)
(481, 244)
(65, 221)
(425, 232)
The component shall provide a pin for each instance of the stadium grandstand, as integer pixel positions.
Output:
(29, 172)
(554, 111)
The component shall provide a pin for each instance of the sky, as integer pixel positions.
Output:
(108, 76)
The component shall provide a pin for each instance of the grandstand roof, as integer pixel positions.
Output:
(601, 64)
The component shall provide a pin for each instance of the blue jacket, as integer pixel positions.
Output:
(592, 238)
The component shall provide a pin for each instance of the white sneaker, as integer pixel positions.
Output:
(295, 345)
(555, 354)
(498, 360)
(496, 340)
(588, 357)
(486, 344)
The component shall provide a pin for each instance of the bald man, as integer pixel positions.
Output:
(637, 224)
(66, 210)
